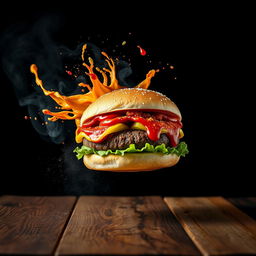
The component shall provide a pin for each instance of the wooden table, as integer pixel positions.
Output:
(93, 225)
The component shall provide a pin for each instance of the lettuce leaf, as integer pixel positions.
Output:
(180, 150)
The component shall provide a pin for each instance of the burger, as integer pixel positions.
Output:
(130, 130)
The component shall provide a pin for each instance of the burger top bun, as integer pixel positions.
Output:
(130, 98)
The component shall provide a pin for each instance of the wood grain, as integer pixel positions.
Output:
(32, 225)
(245, 204)
(124, 226)
(215, 225)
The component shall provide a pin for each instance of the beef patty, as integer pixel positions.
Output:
(122, 140)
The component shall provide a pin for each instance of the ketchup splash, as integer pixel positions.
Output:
(142, 51)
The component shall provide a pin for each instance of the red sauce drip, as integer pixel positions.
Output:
(154, 123)
(142, 51)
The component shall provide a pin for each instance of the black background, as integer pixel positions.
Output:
(207, 46)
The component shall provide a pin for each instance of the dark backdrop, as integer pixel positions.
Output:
(207, 49)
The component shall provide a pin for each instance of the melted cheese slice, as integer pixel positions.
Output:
(139, 126)
(111, 129)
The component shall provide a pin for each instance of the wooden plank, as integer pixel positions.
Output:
(245, 204)
(32, 225)
(215, 225)
(124, 226)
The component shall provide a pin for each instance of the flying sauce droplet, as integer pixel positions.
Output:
(69, 72)
(142, 51)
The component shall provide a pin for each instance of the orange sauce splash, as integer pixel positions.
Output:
(74, 106)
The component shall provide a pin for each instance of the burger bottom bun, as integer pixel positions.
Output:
(132, 162)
